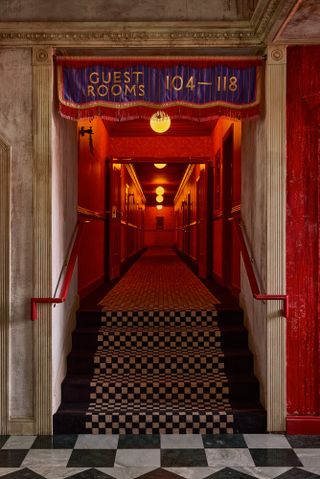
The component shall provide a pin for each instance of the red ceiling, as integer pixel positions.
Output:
(169, 177)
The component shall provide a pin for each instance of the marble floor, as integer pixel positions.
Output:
(196, 456)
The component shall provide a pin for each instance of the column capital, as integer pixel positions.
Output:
(276, 54)
(42, 55)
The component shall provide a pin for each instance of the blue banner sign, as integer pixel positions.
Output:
(93, 85)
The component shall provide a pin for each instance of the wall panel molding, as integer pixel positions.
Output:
(5, 174)
(276, 230)
(42, 231)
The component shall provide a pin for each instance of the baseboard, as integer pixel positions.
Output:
(89, 288)
(303, 425)
(22, 426)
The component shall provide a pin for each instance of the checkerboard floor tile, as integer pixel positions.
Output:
(160, 457)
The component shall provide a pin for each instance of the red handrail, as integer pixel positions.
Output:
(251, 274)
(67, 279)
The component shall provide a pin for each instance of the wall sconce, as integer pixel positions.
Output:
(88, 131)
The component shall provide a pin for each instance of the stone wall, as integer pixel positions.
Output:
(64, 219)
(253, 212)
(16, 127)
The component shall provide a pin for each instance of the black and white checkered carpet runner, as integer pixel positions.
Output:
(159, 372)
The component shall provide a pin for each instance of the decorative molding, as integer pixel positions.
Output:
(95, 215)
(276, 234)
(183, 183)
(265, 22)
(5, 201)
(42, 117)
(133, 176)
(269, 16)
(109, 34)
(41, 56)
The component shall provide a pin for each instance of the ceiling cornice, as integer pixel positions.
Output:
(268, 18)
(268, 15)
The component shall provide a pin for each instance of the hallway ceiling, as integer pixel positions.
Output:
(169, 177)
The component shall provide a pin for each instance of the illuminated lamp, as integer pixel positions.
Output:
(160, 122)
(159, 199)
(159, 207)
(160, 190)
(160, 165)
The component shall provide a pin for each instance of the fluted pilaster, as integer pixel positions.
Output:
(5, 166)
(42, 117)
(276, 234)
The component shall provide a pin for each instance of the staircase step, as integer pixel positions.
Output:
(146, 338)
(95, 319)
(233, 360)
(79, 388)
(156, 319)
(248, 418)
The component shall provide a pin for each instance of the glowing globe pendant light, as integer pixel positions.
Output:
(160, 122)
(159, 207)
(160, 190)
(160, 165)
(159, 199)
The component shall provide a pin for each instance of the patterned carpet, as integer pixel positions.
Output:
(159, 281)
(159, 372)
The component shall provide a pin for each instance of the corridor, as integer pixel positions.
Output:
(159, 281)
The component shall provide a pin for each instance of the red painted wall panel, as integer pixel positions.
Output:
(187, 223)
(303, 232)
(153, 237)
(91, 195)
(160, 147)
(221, 129)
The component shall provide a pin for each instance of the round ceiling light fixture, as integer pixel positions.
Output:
(160, 122)
(160, 165)
(159, 199)
(160, 190)
(159, 207)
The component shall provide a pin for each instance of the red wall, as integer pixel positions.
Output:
(153, 237)
(132, 216)
(190, 224)
(303, 194)
(91, 196)
(221, 129)
(159, 147)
